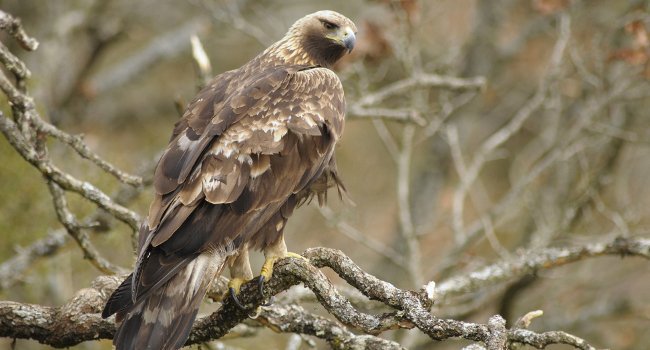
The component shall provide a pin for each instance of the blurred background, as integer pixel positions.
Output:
(552, 150)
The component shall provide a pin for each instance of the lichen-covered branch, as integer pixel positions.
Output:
(13, 26)
(81, 321)
(531, 261)
(295, 319)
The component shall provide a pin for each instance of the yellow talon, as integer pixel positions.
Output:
(234, 285)
(267, 268)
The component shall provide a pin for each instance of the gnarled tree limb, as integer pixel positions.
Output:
(81, 320)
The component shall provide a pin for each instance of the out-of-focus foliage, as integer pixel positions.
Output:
(575, 170)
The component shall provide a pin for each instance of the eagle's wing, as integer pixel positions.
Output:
(219, 184)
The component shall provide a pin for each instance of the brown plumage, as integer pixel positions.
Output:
(251, 146)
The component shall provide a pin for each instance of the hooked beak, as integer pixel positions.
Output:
(348, 38)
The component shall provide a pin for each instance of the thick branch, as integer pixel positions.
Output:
(71, 324)
(81, 320)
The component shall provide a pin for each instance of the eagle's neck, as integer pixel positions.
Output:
(288, 50)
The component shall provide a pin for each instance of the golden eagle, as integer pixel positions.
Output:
(251, 146)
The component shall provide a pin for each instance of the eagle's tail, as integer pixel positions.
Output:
(163, 319)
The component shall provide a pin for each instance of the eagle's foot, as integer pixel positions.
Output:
(240, 273)
(234, 285)
(267, 270)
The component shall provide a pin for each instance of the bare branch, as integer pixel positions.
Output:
(358, 236)
(13, 64)
(414, 260)
(76, 142)
(405, 115)
(75, 230)
(168, 44)
(532, 261)
(13, 26)
(417, 81)
(201, 61)
(66, 181)
(545, 339)
(295, 319)
(12, 269)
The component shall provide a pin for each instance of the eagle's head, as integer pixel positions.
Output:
(325, 36)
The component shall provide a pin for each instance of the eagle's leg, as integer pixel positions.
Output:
(273, 253)
(240, 273)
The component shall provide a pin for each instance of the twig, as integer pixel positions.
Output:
(420, 80)
(75, 230)
(12, 269)
(542, 340)
(201, 61)
(386, 138)
(405, 115)
(66, 181)
(472, 171)
(168, 44)
(566, 150)
(13, 64)
(13, 26)
(295, 319)
(230, 14)
(414, 260)
(77, 143)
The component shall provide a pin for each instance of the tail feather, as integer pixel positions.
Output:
(163, 319)
(120, 299)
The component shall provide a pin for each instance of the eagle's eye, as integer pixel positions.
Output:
(329, 25)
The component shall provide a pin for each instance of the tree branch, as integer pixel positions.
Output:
(13, 26)
(66, 181)
(81, 321)
(532, 261)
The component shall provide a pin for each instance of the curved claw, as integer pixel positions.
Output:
(233, 295)
(260, 286)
